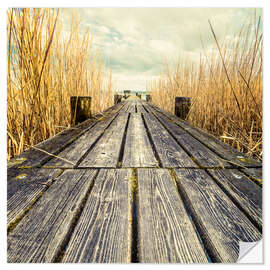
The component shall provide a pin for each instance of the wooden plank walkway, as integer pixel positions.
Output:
(135, 184)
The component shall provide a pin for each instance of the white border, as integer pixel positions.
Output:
(126, 3)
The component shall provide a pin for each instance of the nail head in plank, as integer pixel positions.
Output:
(166, 233)
(220, 223)
(103, 233)
(138, 151)
(41, 233)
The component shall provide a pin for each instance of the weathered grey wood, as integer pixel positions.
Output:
(125, 106)
(220, 223)
(246, 194)
(140, 108)
(103, 233)
(131, 108)
(24, 187)
(166, 233)
(182, 106)
(224, 150)
(117, 98)
(170, 153)
(255, 174)
(138, 151)
(78, 148)
(106, 152)
(34, 157)
(41, 233)
(203, 155)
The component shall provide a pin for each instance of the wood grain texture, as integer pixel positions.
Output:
(78, 148)
(23, 189)
(55, 144)
(40, 234)
(203, 155)
(170, 153)
(126, 106)
(103, 233)
(138, 151)
(132, 107)
(166, 233)
(224, 150)
(140, 108)
(246, 194)
(220, 223)
(106, 152)
(256, 174)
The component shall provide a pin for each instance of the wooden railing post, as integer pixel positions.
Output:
(117, 99)
(182, 107)
(148, 98)
(80, 109)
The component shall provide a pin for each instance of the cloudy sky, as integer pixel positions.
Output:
(136, 41)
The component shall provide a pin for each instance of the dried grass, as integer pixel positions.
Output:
(226, 89)
(46, 67)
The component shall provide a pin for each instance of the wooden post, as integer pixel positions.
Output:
(80, 109)
(139, 96)
(148, 98)
(182, 107)
(117, 99)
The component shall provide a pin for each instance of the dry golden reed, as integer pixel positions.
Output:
(45, 66)
(226, 89)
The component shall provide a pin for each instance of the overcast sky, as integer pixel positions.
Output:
(135, 41)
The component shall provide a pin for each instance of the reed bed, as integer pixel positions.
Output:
(225, 88)
(45, 66)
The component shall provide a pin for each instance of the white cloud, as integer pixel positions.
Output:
(136, 41)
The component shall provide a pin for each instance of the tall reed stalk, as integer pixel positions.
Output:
(45, 67)
(225, 87)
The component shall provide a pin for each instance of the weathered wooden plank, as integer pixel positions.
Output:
(203, 155)
(74, 152)
(24, 187)
(138, 151)
(126, 106)
(106, 152)
(103, 233)
(132, 107)
(42, 232)
(166, 233)
(255, 174)
(246, 194)
(220, 223)
(34, 157)
(224, 150)
(171, 154)
(140, 108)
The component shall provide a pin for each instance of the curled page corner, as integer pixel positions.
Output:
(250, 252)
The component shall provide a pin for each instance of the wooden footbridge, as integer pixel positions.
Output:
(135, 184)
